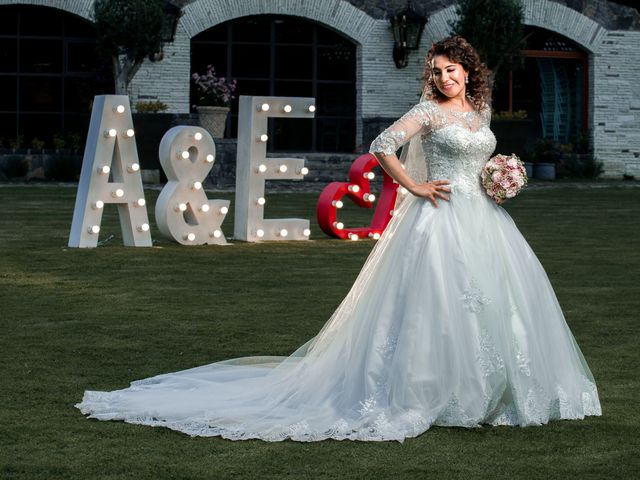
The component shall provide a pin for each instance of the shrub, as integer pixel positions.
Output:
(14, 166)
(63, 168)
(151, 106)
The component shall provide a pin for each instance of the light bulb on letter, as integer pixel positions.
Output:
(130, 133)
(338, 225)
(369, 175)
(353, 236)
(184, 155)
(112, 132)
(204, 207)
(369, 197)
(311, 108)
(303, 171)
(262, 168)
(259, 233)
(181, 207)
(197, 136)
(141, 202)
(94, 229)
(283, 232)
(287, 108)
(143, 228)
(261, 201)
(209, 158)
(306, 232)
(224, 210)
(118, 109)
(282, 169)
(134, 167)
(118, 193)
(217, 233)
(98, 205)
(196, 185)
(104, 170)
(354, 188)
(264, 137)
(264, 107)
(337, 203)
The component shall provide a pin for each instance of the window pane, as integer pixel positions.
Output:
(292, 134)
(336, 62)
(292, 30)
(81, 56)
(252, 29)
(41, 21)
(40, 94)
(76, 27)
(294, 62)
(42, 126)
(41, 56)
(251, 61)
(8, 20)
(215, 34)
(78, 94)
(329, 37)
(8, 55)
(8, 86)
(7, 129)
(336, 99)
(205, 54)
(287, 88)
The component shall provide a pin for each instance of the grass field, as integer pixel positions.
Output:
(76, 319)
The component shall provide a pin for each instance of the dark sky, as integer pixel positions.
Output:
(629, 3)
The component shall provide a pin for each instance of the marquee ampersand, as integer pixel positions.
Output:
(358, 189)
(183, 211)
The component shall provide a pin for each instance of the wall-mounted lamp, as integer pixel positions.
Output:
(407, 27)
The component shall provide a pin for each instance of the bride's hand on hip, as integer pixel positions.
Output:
(432, 191)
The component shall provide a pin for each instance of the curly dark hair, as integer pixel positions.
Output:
(458, 50)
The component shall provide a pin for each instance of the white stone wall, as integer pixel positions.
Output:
(616, 103)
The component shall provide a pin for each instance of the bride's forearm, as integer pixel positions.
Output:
(394, 169)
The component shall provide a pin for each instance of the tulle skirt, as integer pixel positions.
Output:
(452, 321)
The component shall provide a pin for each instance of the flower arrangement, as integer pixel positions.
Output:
(213, 91)
(503, 177)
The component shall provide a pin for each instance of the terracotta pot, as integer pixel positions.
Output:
(213, 119)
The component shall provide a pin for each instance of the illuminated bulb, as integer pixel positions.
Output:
(119, 193)
(403, 191)
(283, 168)
(354, 188)
(190, 236)
(306, 232)
(262, 168)
(303, 171)
(264, 107)
(129, 133)
(184, 155)
(204, 207)
(118, 109)
(197, 136)
(134, 167)
(111, 132)
(283, 232)
(374, 235)
(217, 233)
(94, 229)
(141, 202)
(260, 233)
(392, 213)
(143, 228)
(312, 108)
(104, 170)
(353, 236)
(224, 210)
(196, 185)
(210, 158)
(98, 205)
(369, 175)
(264, 137)
(181, 207)
(261, 201)
(287, 108)
(337, 203)
(369, 197)
(338, 225)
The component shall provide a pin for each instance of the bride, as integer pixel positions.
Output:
(452, 320)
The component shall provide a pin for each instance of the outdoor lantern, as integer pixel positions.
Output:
(170, 16)
(407, 27)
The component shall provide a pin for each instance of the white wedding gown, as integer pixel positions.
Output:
(452, 321)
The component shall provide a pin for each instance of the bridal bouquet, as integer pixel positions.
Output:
(503, 176)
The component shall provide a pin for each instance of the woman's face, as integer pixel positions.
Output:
(449, 76)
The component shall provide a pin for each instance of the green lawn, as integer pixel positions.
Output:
(76, 319)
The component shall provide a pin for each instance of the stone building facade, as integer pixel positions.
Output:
(608, 32)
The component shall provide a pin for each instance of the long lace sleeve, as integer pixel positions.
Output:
(411, 123)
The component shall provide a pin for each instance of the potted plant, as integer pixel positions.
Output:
(214, 100)
(545, 156)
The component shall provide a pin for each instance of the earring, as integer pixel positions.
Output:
(466, 79)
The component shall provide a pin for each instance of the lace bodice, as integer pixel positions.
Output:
(456, 145)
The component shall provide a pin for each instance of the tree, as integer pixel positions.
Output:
(494, 28)
(128, 31)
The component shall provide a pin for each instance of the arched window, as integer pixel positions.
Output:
(287, 56)
(49, 74)
(552, 87)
